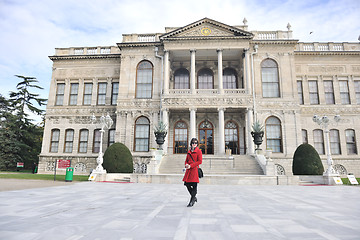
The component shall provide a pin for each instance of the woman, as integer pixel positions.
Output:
(191, 177)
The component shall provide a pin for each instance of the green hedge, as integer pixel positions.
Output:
(306, 161)
(118, 159)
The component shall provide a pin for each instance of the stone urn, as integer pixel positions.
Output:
(257, 134)
(160, 133)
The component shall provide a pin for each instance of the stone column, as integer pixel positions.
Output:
(220, 71)
(165, 119)
(166, 72)
(247, 77)
(249, 123)
(192, 71)
(221, 138)
(192, 122)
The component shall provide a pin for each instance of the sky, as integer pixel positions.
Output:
(30, 30)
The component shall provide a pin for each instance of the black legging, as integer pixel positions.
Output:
(192, 188)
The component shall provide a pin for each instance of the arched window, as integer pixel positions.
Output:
(335, 142)
(232, 137)
(181, 79)
(144, 78)
(270, 79)
(83, 140)
(55, 137)
(142, 134)
(350, 141)
(230, 79)
(273, 134)
(205, 79)
(69, 139)
(180, 137)
(319, 141)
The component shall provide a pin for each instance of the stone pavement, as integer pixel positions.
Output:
(89, 210)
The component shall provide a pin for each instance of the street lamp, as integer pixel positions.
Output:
(324, 123)
(104, 122)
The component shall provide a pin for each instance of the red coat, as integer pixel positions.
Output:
(191, 174)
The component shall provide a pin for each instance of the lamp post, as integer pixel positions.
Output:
(104, 122)
(324, 123)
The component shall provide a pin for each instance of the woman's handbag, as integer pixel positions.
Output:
(200, 171)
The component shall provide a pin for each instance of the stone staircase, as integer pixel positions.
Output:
(213, 165)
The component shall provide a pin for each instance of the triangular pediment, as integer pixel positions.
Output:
(206, 28)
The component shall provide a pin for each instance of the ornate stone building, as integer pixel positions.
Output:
(207, 80)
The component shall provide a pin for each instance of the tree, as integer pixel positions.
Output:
(118, 159)
(306, 161)
(20, 139)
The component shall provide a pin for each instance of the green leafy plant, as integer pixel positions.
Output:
(118, 159)
(257, 126)
(160, 128)
(306, 161)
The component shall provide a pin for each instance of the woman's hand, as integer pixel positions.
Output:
(187, 166)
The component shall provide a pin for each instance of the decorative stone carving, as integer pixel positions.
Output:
(280, 170)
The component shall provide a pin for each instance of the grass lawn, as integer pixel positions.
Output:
(17, 175)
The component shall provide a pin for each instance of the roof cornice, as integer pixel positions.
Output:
(327, 52)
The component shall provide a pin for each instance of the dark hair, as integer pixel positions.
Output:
(194, 140)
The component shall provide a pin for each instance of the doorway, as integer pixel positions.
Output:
(206, 140)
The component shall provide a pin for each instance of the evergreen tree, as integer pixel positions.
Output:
(20, 139)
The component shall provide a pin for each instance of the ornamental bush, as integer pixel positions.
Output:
(118, 159)
(306, 161)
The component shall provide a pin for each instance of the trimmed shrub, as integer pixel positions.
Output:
(306, 161)
(118, 159)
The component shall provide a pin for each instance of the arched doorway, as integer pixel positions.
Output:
(206, 140)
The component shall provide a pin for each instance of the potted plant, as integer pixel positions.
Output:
(257, 134)
(160, 133)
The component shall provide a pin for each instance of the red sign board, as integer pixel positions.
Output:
(63, 163)
(20, 164)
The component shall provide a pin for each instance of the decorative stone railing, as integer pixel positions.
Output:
(151, 37)
(315, 46)
(87, 51)
(206, 91)
(272, 35)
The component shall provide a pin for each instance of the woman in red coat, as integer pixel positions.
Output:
(191, 177)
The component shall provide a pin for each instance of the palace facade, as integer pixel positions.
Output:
(207, 80)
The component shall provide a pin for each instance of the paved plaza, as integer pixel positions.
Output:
(89, 210)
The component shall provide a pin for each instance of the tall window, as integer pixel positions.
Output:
(87, 93)
(144, 78)
(335, 142)
(304, 136)
(329, 92)
(83, 140)
(344, 92)
(350, 142)
(111, 137)
(101, 93)
(142, 130)
(114, 93)
(180, 137)
(69, 139)
(273, 134)
(60, 94)
(313, 92)
(74, 87)
(300, 92)
(54, 144)
(319, 141)
(357, 91)
(232, 137)
(181, 77)
(97, 140)
(229, 78)
(205, 79)
(270, 79)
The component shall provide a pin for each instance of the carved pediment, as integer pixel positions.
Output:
(206, 28)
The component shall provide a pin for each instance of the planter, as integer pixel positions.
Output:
(160, 138)
(257, 138)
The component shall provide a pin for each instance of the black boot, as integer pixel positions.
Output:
(192, 202)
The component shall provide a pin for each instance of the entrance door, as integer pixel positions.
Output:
(206, 141)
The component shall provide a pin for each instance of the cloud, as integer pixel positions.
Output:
(32, 29)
